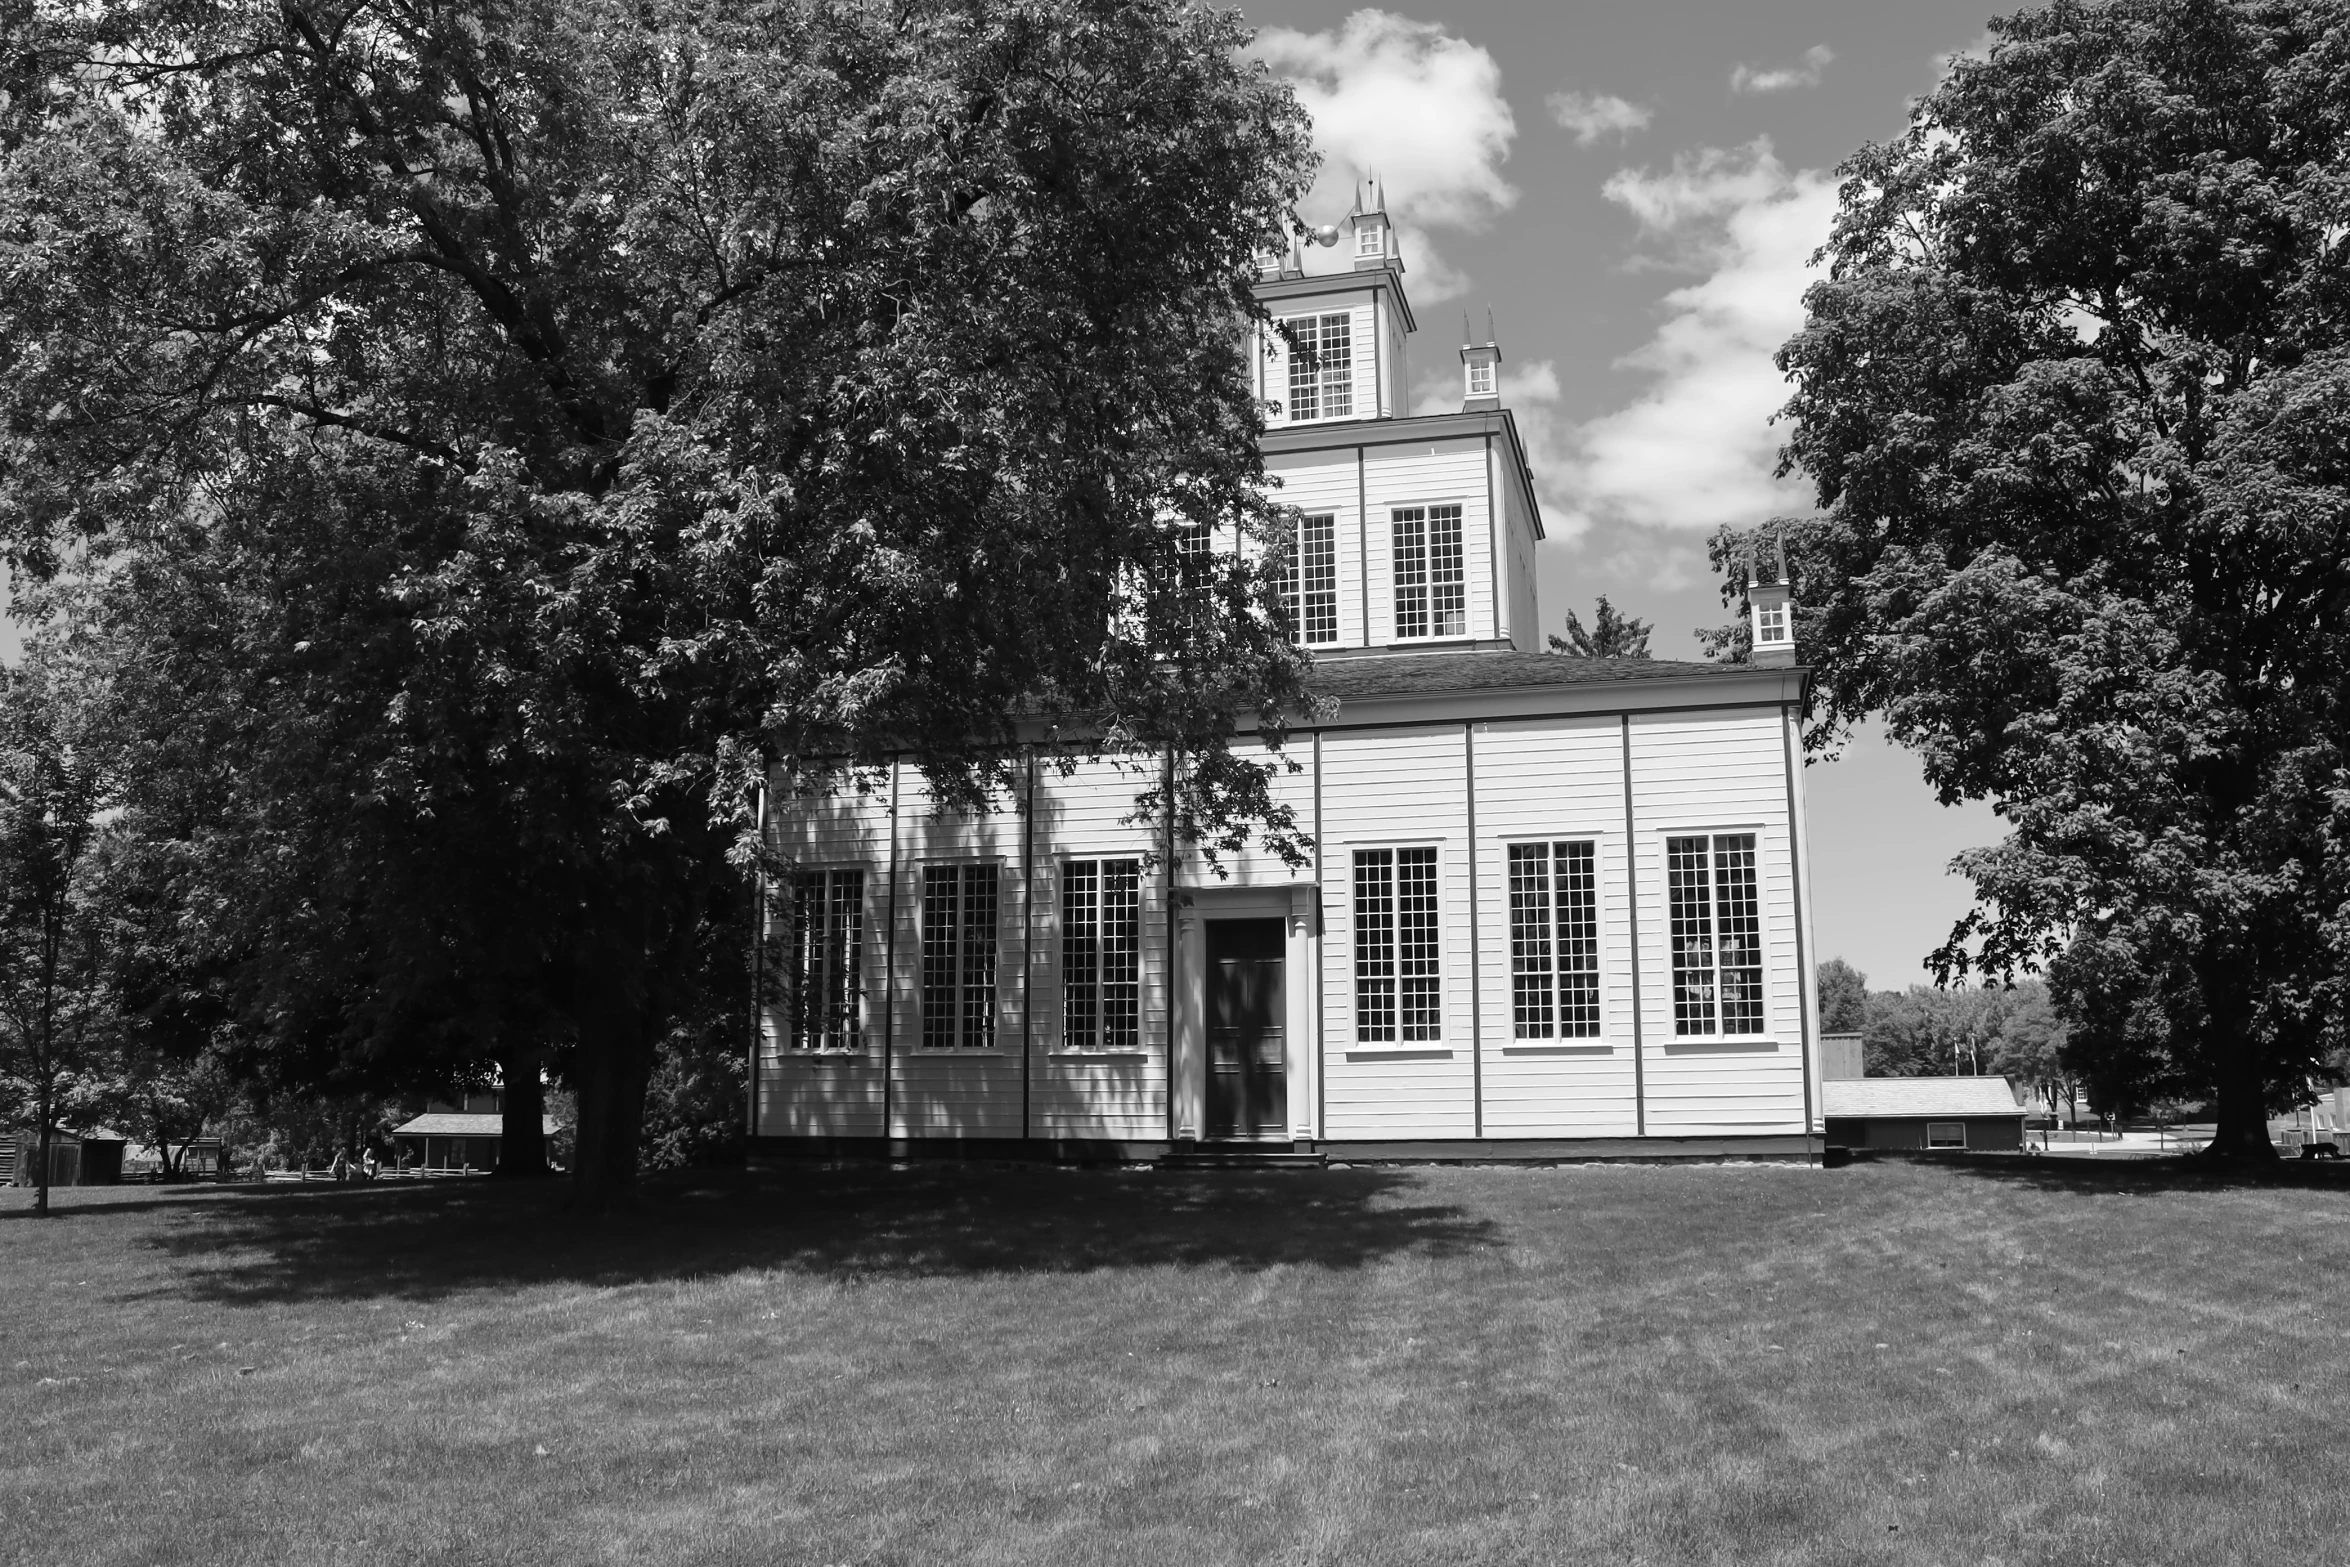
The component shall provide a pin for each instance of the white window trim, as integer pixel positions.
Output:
(1060, 1048)
(1443, 1043)
(920, 1047)
(1468, 633)
(1584, 1044)
(1666, 1037)
(868, 948)
(1283, 351)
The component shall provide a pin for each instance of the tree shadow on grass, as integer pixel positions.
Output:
(865, 1222)
(2177, 1172)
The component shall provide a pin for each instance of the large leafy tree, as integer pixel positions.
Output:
(2075, 395)
(57, 785)
(504, 434)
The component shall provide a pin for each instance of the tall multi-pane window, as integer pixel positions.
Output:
(958, 956)
(1431, 589)
(1321, 367)
(1716, 910)
(1311, 597)
(1399, 987)
(1101, 954)
(825, 939)
(1554, 940)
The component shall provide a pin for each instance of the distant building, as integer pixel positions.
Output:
(1973, 1114)
(458, 1136)
(91, 1158)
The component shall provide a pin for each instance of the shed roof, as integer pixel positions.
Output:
(455, 1123)
(1918, 1096)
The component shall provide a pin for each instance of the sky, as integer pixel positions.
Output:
(1633, 192)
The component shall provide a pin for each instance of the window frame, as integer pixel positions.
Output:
(1554, 1022)
(1416, 568)
(1326, 378)
(1297, 601)
(961, 1042)
(1673, 968)
(1933, 1126)
(1398, 1035)
(1100, 1043)
(1481, 381)
(793, 1036)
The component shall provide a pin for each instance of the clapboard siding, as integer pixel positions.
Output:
(1518, 591)
(1718, 772)
(1440, 473)
(1365, 346)
(960, 1092)
(1537, 779)
(1384, 790)
(1081, 815)
(1326, 482)
(1547, 781)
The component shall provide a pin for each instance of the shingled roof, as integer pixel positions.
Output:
(1899, 1096)
(1397, 674)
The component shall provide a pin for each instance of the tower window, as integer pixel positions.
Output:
(1322, 367)
(1770, 625)
(1311, 595)
(1480, 378)
(1431, 591)
(1370, 240)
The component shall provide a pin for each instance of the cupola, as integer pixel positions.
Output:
(1480, 368)
(1771, 603)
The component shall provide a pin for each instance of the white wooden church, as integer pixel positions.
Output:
(1557, 908)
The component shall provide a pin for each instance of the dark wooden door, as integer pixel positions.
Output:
(1248, 1094)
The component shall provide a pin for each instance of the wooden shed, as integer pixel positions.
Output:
(92, 1158)
(1953, 1114)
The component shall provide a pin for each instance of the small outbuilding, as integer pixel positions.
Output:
(87, 1158)
(1953, 1114)
(456, 1140)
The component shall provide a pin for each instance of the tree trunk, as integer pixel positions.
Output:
(41, 1156)
(522, 1146)
(615, 1065)
(2241, 1137)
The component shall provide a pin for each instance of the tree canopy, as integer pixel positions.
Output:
(2075, 396)
(1612, 634)
(503, 436)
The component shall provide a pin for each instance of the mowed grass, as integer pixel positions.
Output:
(1882, 1364)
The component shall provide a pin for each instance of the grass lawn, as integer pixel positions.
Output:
(1882, 1364)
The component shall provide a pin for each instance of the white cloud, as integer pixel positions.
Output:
(1695, 448)
(1418, 107)
(1782, 78)
(1593, 117)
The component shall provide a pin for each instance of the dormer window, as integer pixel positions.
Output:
(1321, 367)
(1480, 378)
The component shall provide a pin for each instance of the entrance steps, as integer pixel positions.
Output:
(1239, 1156)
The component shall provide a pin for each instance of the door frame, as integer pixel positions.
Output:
(1295, 904)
